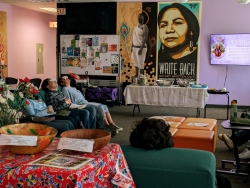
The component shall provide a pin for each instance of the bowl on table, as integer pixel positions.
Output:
(160, 82)
(100, 137)
(44, 133)
(167, 83)
(183, 83)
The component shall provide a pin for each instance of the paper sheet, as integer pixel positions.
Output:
(83, 145)
(18, 140)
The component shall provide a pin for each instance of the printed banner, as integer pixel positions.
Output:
(3, 45)
(178, 40)
(137, 28)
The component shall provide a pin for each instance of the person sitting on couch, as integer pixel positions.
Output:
(77, 98)
(57, 100)
(36, 107)
(153, 134)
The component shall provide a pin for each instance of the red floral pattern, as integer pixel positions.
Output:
(109, 169)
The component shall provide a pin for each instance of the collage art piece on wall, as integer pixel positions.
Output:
(3, 45)
(90, 54)
(171, 49)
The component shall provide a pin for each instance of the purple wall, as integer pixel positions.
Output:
(224, 17)
(26, 28)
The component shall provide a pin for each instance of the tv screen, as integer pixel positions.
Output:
(230, 49)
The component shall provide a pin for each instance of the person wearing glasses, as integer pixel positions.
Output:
(77, 98)
(59, 102)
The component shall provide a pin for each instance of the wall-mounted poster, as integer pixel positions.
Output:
(3, 44)
(178, 40)
(137, 26)
(94, 55)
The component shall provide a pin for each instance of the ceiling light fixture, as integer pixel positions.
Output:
(181, 1)
(42, 1)
(49, 9)
(244, 1)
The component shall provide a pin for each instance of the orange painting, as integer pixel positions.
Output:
(3, 44)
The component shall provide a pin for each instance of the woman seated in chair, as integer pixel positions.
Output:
(37, 108)
(77, 98)
(60, 103)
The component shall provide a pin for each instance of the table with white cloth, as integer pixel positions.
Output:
(173, 96)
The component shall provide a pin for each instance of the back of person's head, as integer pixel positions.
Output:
(45, 84)
(151, 134)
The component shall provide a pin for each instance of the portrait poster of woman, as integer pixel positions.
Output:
(178, 40)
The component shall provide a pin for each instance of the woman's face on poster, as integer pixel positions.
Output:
(172, 28)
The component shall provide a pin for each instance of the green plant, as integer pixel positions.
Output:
(12, 104)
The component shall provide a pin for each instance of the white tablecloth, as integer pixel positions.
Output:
(166, 96)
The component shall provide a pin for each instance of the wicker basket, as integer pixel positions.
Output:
(101, 137)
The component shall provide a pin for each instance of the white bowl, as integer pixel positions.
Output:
(160, 82)
(167, 83)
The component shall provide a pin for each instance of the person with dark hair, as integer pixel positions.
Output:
(77, 98)
(139, 46)
(57, 100)
(151, 134)
(178, 33)
(37, 108)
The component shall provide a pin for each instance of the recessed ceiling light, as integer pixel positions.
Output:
(41, 1)
(49, 9)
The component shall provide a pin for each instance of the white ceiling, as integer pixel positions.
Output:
(28, 4)
(36, 4)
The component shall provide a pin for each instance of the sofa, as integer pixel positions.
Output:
(171, 167)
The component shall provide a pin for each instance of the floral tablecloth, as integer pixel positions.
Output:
(108, 169)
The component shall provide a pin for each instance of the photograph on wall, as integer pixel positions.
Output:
(83, 42)
(104, 39)
(89, 41)
(70, 51)
(77, 51)
(178, 40)
(95, 41)
(104, 48)
(112, 47)
(107, 69)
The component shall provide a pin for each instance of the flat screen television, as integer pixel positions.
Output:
(230, 49)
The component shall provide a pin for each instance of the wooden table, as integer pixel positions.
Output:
(173, 96)
(108, 169)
